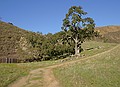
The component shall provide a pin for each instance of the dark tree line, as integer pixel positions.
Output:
(48, 47)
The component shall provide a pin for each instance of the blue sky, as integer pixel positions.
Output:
(47, 15)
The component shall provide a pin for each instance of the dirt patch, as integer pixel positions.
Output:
(49, 79)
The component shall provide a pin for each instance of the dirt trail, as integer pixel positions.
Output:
(49, 79)
(34, 79)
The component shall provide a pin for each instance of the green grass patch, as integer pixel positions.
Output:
(92, 47)
(100, 71)
(11, 72)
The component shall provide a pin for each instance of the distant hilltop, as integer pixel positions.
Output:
(110, 33)
(107, 29)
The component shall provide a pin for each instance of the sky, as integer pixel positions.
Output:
(46, 15)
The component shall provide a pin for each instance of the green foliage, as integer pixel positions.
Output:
(53, 48)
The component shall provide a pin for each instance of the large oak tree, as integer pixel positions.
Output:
(78, 27)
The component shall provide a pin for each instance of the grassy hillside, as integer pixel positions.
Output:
(98, 71)
(110, 33)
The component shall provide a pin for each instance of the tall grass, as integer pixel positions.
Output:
(100, 71)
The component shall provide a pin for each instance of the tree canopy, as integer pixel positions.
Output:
(78, 27)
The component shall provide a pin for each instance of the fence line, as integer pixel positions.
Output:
(9, 60)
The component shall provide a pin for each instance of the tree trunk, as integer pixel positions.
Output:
(77, 50)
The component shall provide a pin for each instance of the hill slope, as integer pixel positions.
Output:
(14, 42)
(9, 38)
(30, 46)
(22, 44)
(107, 29)
(110, 33)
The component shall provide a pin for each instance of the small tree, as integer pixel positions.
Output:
(78, 27)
